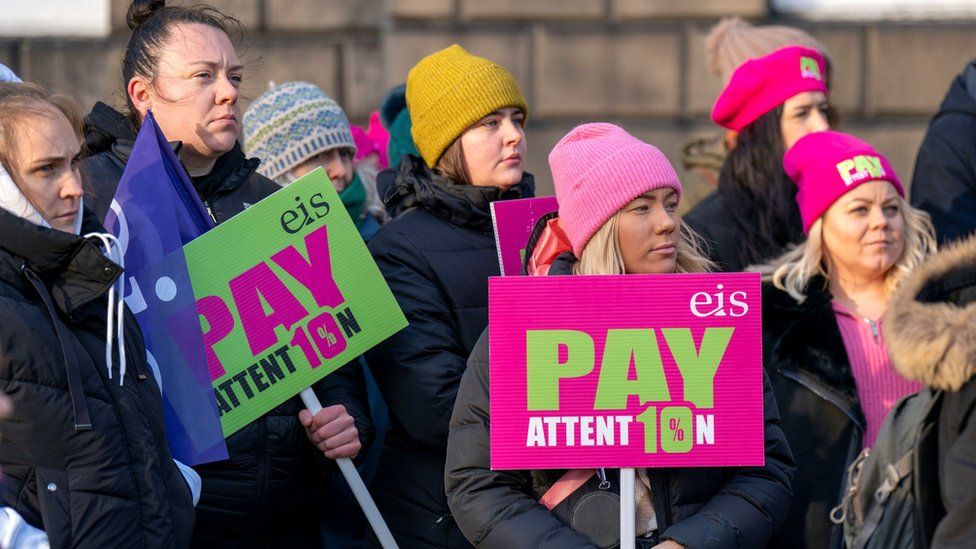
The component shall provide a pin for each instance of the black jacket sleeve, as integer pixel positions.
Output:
(944, 181)
(418, 369)
(753, 503)
(494, 509)
(958, 473)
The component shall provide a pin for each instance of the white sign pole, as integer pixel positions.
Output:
(349, 471)
(627, 509)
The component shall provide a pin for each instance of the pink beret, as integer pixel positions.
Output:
(760, 85)
(825, 165)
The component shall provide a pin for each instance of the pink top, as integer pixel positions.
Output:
(878, 384)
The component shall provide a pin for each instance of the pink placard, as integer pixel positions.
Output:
(626, 371)
(514, 221)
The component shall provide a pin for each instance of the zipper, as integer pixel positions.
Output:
(210, 211)
(874, 329)
(660, 498)
(823, 392)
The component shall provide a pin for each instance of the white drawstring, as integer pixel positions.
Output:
(116, 304)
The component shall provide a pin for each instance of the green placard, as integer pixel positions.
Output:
(287, 293)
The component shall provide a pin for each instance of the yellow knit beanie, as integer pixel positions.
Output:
(450, 90)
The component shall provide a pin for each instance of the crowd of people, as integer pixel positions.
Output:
(859, 310)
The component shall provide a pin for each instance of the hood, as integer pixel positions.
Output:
(104, 127)
(961, 97)
(548, 250)
(418, 187)
(930, 328)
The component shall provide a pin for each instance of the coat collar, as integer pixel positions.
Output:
(805, 338)
(930, 328)
(74, 268)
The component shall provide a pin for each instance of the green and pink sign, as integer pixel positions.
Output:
(287, 293)
(626, 371)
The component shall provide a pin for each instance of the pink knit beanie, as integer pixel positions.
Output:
(825, 165)
(760, 85)
(597, 169)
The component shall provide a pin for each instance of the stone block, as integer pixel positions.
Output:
(362, 79)
(666, 9)
(601, 73)
(307, 15)
(533, 9)
(509, 48)
(703, 86)
(286, 59)
(246, 11)
(89, 71)
(909, 68)
(422, 9)
(845, 45)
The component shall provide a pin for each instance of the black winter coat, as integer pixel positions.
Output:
(931, 333)
(944, 182)
(436, 255)
(697, 507)
(807, 363)
(269, 490)
(83, 458)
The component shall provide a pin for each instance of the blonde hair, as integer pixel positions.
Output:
(601, 255)
(18, 101)
(793, 271)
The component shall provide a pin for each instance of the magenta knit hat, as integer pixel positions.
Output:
(760, 85)
(825, 165)
(597, 169)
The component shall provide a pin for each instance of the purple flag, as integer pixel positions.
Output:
(155, 212)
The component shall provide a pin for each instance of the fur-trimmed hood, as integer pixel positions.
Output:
(930, 328)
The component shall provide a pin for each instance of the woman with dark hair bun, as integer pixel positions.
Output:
(770, 102)
(181, 64)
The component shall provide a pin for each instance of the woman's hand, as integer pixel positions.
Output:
(333, 431)
(669, 544)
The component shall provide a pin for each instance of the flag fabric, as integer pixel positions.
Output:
(155, 212)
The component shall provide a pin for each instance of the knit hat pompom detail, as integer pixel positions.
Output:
(597, 169)
(760, 85)
(732, 42)
(291, 123)
(448, 91)
(826, 165)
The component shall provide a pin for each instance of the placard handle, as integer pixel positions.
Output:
(359, 490)
(628, 507)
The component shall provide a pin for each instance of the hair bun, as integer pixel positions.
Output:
(141, 11)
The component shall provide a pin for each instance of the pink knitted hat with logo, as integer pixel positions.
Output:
(597, 169)
(825, 165)
(760, 85)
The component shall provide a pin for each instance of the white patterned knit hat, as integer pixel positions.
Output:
(291, 123)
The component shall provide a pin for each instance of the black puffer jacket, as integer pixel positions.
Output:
(706, 507)
(944, 182)
(269, 488)
(807, 362)
(931, 333)
(436, 255)
(114, 482)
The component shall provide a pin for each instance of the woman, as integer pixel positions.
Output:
(823, 344)
(932, 337)
(180, 63)
(770, 102)
(437, 253)
(618, 198)
(294, 128)
(84, 451)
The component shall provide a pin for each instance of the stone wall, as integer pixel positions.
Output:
(639, 63)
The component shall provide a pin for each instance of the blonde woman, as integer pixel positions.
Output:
(823, 344)
(618, 204)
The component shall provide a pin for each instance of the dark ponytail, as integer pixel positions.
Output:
(760, 198)
(152, 22)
